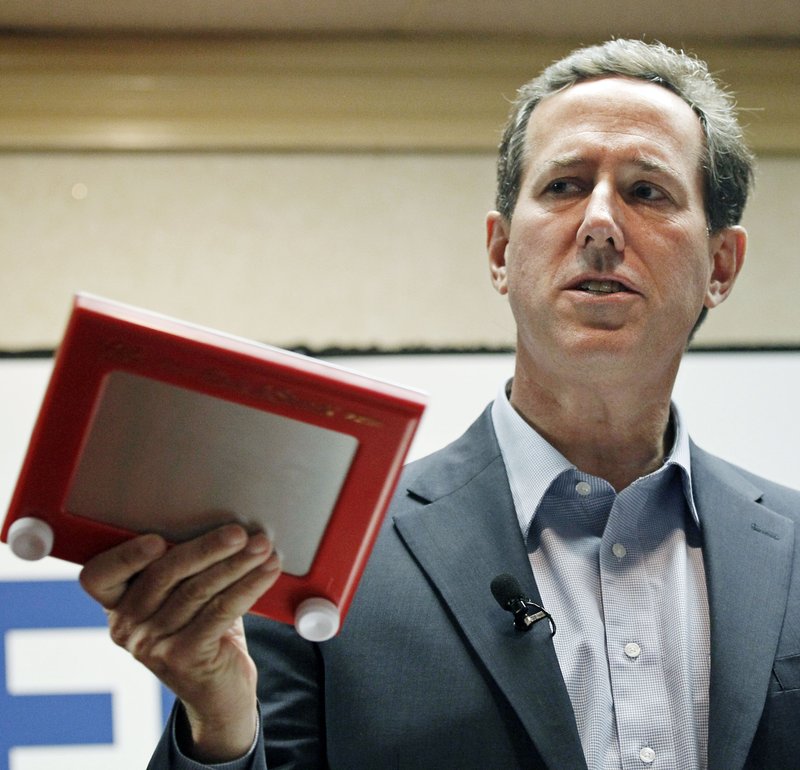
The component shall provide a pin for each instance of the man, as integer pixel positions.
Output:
(668, 572)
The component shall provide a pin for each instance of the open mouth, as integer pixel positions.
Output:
(601, 287)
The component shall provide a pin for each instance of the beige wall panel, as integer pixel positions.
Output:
(764, 308)
(352, 250)
(328, 244)
(437, 93)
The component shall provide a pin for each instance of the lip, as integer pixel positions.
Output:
(628, 287)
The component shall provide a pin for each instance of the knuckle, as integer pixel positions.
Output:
(141, 645)
(144, 644)
(119, 630)
(222, 605)
(157, 580)
(192, 592)
(161, 655)
(86, 578)
(127, 552)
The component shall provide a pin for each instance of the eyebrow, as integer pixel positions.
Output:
(641, 161)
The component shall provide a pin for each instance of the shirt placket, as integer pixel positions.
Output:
(633, 642)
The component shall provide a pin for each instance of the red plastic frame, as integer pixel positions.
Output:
(103, 337)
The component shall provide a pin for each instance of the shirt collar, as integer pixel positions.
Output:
(533, 464)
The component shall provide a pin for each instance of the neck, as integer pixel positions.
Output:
(616, 431)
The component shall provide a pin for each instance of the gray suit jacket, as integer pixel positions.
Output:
(428, 671)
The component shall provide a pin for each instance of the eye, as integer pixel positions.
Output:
(648, 192)
(561, 187)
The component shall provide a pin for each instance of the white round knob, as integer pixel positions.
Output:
(30, 538)
(317, 619)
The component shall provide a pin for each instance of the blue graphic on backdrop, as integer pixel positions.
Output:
(60, 719)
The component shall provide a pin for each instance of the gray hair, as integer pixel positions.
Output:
(727, 163)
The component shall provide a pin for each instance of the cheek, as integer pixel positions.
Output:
(524, 279)
(534, 248)
(686, 283)
(683, 261)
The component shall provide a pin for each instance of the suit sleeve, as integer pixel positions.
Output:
(168, 754)
(291, 695)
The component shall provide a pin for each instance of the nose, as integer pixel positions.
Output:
(602, 220)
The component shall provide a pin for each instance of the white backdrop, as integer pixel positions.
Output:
(60, 668)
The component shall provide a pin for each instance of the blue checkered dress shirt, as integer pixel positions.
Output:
(622, 575)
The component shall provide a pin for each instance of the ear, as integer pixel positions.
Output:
(727, 255)
(496, 244)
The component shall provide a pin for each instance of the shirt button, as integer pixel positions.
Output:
(632, 650)
(583, 488)
(647, 755)
(619, 550)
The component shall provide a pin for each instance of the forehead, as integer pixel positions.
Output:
(611, 114)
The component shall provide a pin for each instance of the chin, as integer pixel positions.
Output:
(603, 341)
(617, 350)
(629, 353)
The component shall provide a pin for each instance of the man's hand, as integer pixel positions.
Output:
(178, 611)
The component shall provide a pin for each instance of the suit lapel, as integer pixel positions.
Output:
(465, 536)
(748, 555)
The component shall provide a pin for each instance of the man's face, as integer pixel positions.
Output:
(607, 257)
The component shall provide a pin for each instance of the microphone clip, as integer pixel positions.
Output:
(508, 594)
(527, 614)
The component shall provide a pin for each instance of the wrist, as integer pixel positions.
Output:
(215, 741)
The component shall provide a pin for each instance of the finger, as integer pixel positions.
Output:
(152, 587)
(194, 593)
(218, 615)
(106, 577)
(196, 646)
